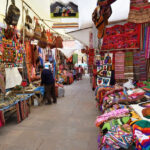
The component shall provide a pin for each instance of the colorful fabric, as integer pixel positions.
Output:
(134, 117)
(141, 134)
(147, 48)
(108, 125)
(116, 113)
(2, 78)
(2, 119)
(119, 65)
(128, 65)
(139, 11)
(143, 73)
(136, 66)
(146, 113)
(120, 136)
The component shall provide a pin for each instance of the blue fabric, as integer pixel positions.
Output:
(47, 77)
(54, 69)
(41, 89)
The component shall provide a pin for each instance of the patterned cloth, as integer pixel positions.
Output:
(143, 73)
(136, 15)
(119, 65)
(119, 137)
(136, 65)
(141, 133)
(128, 65)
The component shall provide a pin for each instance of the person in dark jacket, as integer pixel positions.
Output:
(47, 80)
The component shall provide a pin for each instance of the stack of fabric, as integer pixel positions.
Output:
(128, 65)
(121, 127)
(119, 65)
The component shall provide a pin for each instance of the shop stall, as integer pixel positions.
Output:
(121, 77)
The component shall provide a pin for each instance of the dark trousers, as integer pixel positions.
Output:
(49, 93)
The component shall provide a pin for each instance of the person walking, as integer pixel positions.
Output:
(80, 71)
(48, 82)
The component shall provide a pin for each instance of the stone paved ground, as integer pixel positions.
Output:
(68, 125)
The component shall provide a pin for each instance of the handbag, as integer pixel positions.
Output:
(37, 31)
(13, 14)
(28, 27)
(43, 41)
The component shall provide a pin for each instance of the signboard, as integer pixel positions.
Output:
(61, 10)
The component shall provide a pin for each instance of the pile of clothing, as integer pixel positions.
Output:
(121, 127)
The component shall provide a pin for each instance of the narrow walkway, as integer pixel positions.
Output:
(68, 125)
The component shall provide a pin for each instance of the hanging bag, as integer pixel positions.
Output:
(13, 14)
(43, 41)
(37, 30)
(59, 42)
(28, 29)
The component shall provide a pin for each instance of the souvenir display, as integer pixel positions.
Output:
(122, 37)
(104, 69)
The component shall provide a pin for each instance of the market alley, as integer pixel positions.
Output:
(67, 125)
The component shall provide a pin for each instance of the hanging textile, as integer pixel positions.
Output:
(2, 78)
(136, 65)
(139, 11)
(148, 68)
(143, 74)
(41, 56)
(75, 58)
(147, 46)
(28, 59)
(128, 65)
(119, 65)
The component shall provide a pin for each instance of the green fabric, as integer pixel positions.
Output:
(148, 117)
(121, 121)
(143, 123)
(75, 58)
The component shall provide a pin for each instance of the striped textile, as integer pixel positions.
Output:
(119, 65)
(128, 65)
(147, 43)
(136, 65)
(143, 73)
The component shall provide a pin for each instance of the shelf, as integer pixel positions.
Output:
(123, 49)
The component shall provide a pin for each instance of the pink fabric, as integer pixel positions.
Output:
(113, 114)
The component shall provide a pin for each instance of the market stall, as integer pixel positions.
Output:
(120, 71)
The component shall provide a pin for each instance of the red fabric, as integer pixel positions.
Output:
(2, 119)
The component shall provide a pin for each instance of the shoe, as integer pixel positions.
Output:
(48, 103)
(55, 102)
